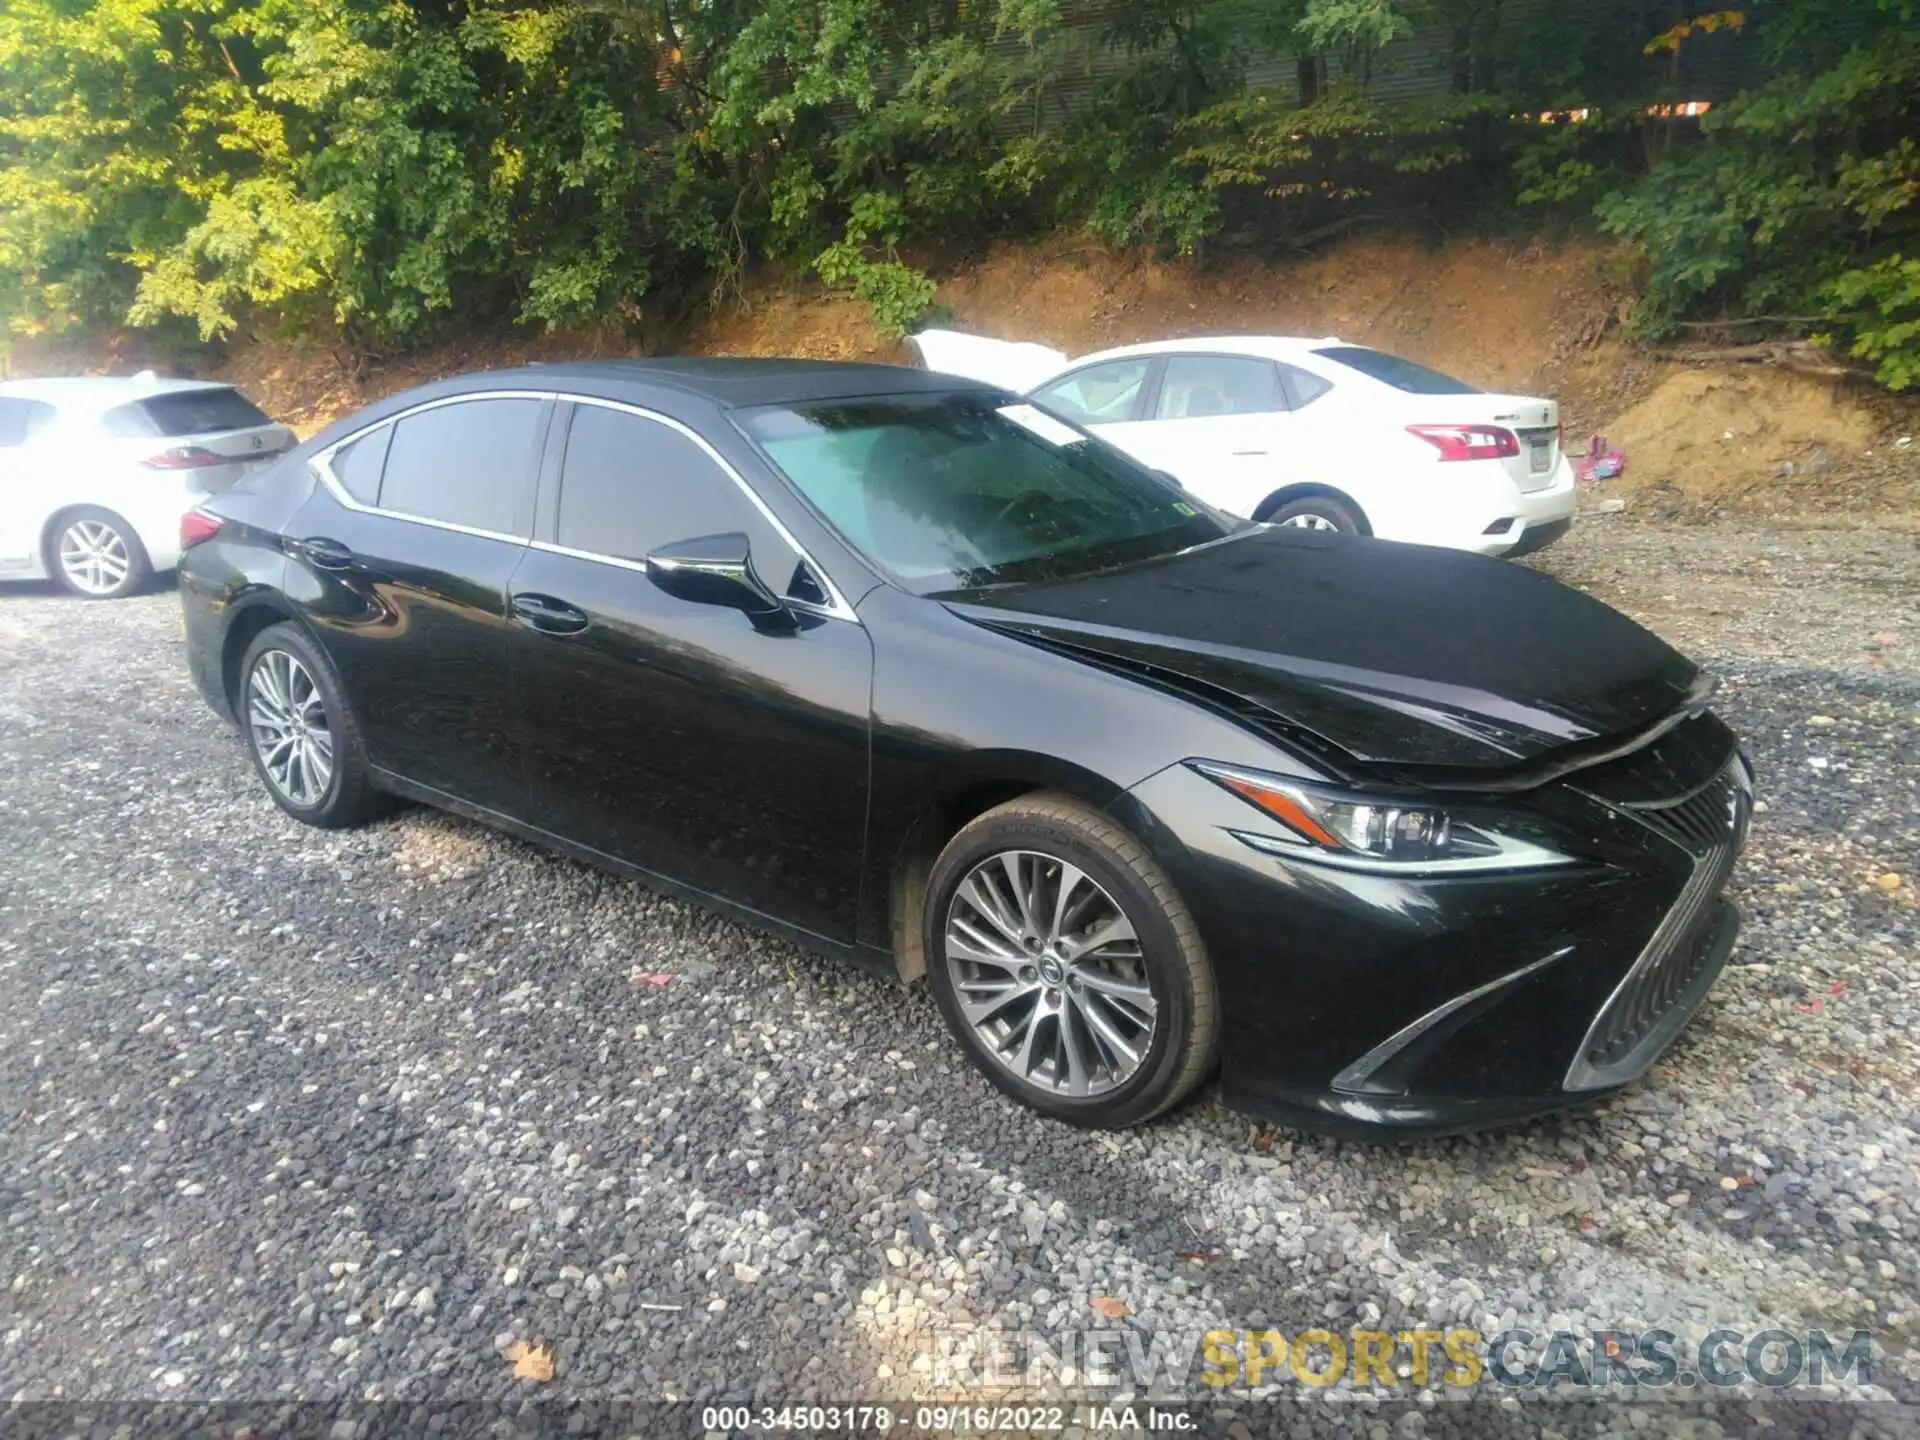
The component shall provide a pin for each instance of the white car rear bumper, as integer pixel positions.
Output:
(1511, 520)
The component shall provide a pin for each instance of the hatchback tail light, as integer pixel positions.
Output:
(196, 526)
(184, 457)
(1468, 442)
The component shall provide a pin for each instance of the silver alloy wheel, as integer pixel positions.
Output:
(93, 556)
(1049, 973)
(1307, 520)
(287, 719)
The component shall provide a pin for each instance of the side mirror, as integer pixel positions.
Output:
(717, 570)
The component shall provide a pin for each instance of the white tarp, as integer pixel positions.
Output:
(1017, 365)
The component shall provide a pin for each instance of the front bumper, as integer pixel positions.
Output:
(1380, 1006)
(1413, 1115)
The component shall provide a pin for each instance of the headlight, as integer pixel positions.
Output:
(1357, 832)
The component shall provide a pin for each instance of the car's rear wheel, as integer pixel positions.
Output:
(97, 555)
(300, 732)
(1067, 964)
(1316, 512)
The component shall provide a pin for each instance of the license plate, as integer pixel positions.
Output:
(1540, 455)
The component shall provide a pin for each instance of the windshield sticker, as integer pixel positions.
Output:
(1184, 508)
(1038, 422)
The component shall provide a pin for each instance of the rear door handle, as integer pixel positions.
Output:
(324, 553)
(548, 615)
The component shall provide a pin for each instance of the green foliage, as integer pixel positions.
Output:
(1881, 306)
(1798, 200)
(898, 294)
(388, 168)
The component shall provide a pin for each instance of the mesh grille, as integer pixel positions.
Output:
(1703, 821)
(1709, 825)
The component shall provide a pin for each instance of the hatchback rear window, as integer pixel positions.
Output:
(185, 412)
(1392, 370)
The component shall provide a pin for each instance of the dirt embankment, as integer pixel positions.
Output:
(1533, 318)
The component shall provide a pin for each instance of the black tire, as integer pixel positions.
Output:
(348, 796)
(1304, 512)
(79, 532)
(1180, 1052)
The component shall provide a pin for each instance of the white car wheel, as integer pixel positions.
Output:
(1316, 512)
(97, 556)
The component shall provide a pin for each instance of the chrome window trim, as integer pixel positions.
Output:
(837, 607)
(322, 464)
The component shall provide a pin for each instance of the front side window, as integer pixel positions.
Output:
(1198, 386)
(947, 492)
(471, 463)
(1098, 395)
(631, 485)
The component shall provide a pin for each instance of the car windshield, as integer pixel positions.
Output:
(1392, 370)
(963, 491)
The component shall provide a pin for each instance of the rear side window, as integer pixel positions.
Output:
(358, 466)
(470, 463)
(185, 412)
(20, 420)
(630, 486)
(1392, 370)
(1198, 386)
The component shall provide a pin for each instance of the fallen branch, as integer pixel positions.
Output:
(1800, 356)
(1755, 320)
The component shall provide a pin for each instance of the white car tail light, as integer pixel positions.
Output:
(184, 457)
(1469, 442)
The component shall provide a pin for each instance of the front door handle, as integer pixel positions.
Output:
(324, 553)
(548, 615)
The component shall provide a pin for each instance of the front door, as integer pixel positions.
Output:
(403, 574)
(23, 495)
(676, 736)
(1220, 425)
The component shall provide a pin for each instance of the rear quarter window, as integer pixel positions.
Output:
(1401, 374)
(359, 464)
(185, 412)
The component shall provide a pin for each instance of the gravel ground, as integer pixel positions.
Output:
(353, 1116)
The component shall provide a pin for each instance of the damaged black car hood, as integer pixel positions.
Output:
(1394, 655)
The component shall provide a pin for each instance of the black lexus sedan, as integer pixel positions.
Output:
(1400, 839)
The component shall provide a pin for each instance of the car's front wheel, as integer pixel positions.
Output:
(300, 733)
(1068, 965)
(98, 556)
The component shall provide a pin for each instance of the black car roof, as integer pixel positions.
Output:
(730, 381)
(711, 384)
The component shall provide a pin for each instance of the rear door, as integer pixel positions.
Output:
(213, 431)
(401, 561)
(676, 736)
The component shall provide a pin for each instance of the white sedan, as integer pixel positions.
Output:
(1312, 433)
(95, 473)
